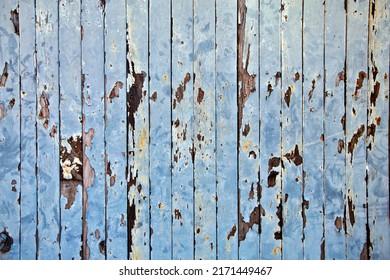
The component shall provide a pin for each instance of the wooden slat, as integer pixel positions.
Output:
(9, 129)
(182, 131)
(28, 152)
(115, 131)
(335, 246)
(356, 118)
(313, 130)
(270, 130)
(138, 129)
(248, 125)
(204, 127)
(94, 228)
(226, 129)
(48, 116)
(378, 132)
(160, 129)
(70, 132)
(292, 130)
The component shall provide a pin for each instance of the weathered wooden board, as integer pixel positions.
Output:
(196, 129)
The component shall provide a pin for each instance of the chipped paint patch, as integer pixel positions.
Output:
(44, 113)
(6, 242)
(4, 75)
(115, 90)
(15, 20)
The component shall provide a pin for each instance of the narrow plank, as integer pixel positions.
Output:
(270, 130)
(313, 130)
(94, 232)
(48, 117)
(160, 129)
(204, 126)
(335, 32)
(115, 134)
(226, 129)
(28, 152)
(10, 130)
(292, 172)
(356, 118)
(182, 131)
(248, 125)
(70, 133)
(139, 230)
(378, 132)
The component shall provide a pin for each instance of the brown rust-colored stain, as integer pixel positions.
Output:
(154, 96)
(322, 248)
(200, 96)
(338, 222)
(252, 154)
(273, 162)
(192, 153)
(15, 20)
(297, 76)
(340, 77)
(355, 139)
(232, 232)
(287, 96)
(313, 86)
(246, 130)
(351, 210)
(277, 77)
(134, 96)
(254, 218)
(4, 75)
(177, 123)
(279, 213)
(340, 146)
(271, 180)
(378, 120)
(286, 198)
(294, 156)
(3, 111)
(252, 193)
(281, 8)
(269, 89)
(13, 182)
(182, 88)
(200, 137)
(103, 5)
(359, 83)
(115, 90)
(374, 94)
(247, 81)
(102, 247)
(177, 214)
(365, 253)
(44, 113)
(343, 122)
(305, 206)
(12, 103)
(371, 129)
(374, 72)
(53, 131)
(6, 242)
(131, 218)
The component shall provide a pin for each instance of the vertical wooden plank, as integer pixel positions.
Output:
(182, 131)
(9, 129)
(94, 242)
(71, 142)
(28, 152)
(378, 132)
(313, 130)
(248, 125)
(270, 130)
(160, 129)
(356, 118)
(204, 126)
(48, 117)
(139, 231)
(335, 130)
(226, 127)
(115, 136)
(292, 129)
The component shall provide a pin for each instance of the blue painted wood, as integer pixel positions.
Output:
(335, 142)
(204, 128)
(48, 160)
(116, 131)
(182, 131)
(270, 130)
(70, 132)
(28, 151)
(356, 119)
(94, 170)
(378, 141)
(292, 173)
(160, 129)
(10, 128)
(248, 124)
(226, 129)
(138, 129)
(313, 130)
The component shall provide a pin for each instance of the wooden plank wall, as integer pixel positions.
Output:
(194, 129)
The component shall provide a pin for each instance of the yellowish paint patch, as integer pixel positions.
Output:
(143, 139)
(247, 145)
(165, 78)
(207, 238)
(276, 250)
